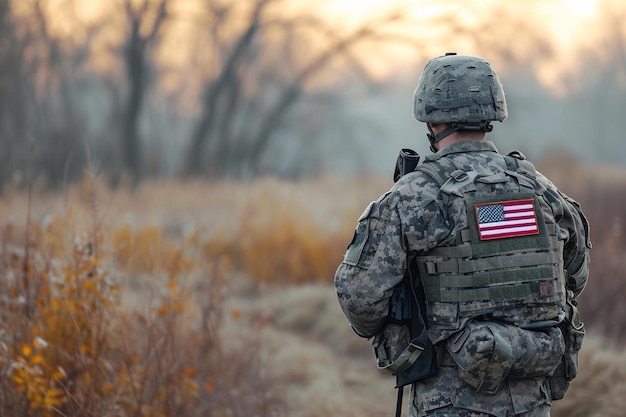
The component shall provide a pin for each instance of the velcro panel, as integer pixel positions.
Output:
(508, 292)
(488, 279)
(466, 266)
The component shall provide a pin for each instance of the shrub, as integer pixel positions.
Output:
(69, 346)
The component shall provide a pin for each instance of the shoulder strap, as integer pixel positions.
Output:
(516, 161)
(435, 171)
(451, 179)
(523, 170)
(441, 170)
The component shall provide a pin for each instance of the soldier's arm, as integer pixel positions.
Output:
(373, 265)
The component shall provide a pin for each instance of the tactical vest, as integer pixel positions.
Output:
(506, 263)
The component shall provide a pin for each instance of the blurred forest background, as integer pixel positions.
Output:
(205, 88)
(179, 180)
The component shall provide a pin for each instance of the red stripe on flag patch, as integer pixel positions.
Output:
(506, 219)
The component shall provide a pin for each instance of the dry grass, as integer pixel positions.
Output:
(600, 388)
(215, 299)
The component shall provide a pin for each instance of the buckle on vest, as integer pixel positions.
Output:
(459, 175)
(431, 268)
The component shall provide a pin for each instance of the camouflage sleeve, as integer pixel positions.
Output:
(373, 265)
(577, 247)
(575, 229)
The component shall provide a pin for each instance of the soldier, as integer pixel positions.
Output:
(498, 254)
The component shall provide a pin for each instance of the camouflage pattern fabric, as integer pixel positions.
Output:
(412, 218)
(458, 88)
(489, 352)
(450, 411)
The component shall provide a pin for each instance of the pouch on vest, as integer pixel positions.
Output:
(487, 353)
(538, 353)
(484, 355)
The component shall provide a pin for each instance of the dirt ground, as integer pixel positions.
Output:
(326, 369)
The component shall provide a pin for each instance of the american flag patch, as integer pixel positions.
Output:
(506, 219)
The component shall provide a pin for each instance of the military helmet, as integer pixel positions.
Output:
(459, 89)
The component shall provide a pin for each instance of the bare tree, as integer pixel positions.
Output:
(294, 88)
(136, 63)
(238, 122)
(15, 85)
(39, 85)
(61, 154)
(226, 86)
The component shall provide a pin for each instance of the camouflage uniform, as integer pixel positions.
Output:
(415, 218)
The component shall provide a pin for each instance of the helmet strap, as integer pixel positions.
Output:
(433, 138)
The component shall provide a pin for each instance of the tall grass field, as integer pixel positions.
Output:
(215, 299)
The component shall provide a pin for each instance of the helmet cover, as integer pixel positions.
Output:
(458, 88)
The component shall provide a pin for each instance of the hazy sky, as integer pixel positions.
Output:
(567, 24)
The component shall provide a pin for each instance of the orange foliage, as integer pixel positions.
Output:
(146, 250)
(69, 348)
(276, 244)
